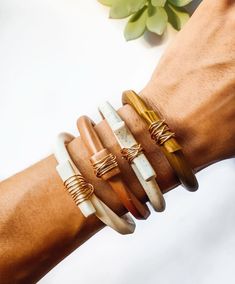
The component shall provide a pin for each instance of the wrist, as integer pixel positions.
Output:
(203, 124)
(181, 122)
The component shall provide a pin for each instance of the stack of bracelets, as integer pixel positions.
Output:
(106, 167)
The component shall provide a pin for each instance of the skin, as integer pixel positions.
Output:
(193, 87)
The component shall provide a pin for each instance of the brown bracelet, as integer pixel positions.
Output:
(106, 167)
(161, 134)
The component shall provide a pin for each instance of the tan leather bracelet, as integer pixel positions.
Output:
(163, 137)
(105, 166)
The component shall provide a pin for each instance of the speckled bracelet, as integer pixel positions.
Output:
(133, 153)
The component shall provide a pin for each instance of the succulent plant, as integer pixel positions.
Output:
(151, 15)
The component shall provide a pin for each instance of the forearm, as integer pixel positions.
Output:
(40, 224)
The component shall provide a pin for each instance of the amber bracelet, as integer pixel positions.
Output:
(165, 138)
(106, 167)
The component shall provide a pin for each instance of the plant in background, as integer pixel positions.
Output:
(151, 15)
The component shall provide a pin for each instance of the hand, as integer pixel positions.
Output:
(194, 83)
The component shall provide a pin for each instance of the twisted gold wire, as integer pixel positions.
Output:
(104, 165)
(79, 189)
(160, 132)
(132, 152)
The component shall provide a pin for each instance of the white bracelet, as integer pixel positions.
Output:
(138, 161)
(88, 202)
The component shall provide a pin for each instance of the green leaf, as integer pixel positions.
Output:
(124, 8)
(136, 25)
(158, 3)
(157, 20)
(176, 16)
(180, 3)
(107, 2)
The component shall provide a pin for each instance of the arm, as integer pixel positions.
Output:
(194, 89)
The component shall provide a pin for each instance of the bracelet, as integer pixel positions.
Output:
(83, 192)
(133, 153)
(106, 167)
(161, 134)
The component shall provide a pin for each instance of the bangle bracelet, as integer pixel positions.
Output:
(133, 153)
(83, 192)
(163, 137)
(106, 167)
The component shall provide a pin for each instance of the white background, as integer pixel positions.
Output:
(60, 59)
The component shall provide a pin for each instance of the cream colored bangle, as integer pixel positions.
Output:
(132, 151)
(83, 192)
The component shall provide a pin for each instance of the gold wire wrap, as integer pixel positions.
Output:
(160, 131)
(104, 165)
(131, 153)
(78, 188)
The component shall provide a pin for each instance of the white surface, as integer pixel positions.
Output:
(70, 52)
